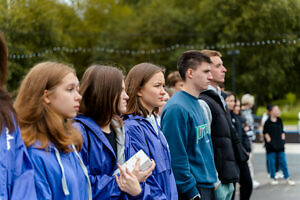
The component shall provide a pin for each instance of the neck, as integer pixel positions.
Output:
(148, 108)
(273, 118)
(214, 84)
(191, 90)
(106, 128)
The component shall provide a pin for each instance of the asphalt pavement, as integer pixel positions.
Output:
(282, 191)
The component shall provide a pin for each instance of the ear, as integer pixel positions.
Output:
(139, 94)
(189, 73)
(46, 97)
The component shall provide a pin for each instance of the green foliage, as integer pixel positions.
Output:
(266, 71)
(291, 98)
(289, 114)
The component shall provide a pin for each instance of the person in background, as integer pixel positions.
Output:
(16, 177)
(264, 118)
(238, 122)
(246, 112)
(275, 138)
(48, 99)
(145, 87)
(174, 81)
(185, 125)
(169, 93)
(106, 144)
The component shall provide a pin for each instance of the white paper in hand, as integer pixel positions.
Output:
(145, 162)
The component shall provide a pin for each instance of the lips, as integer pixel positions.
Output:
(76, 108)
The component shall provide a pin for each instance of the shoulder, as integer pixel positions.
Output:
(40, 157)
(203, 104)
(130, 123)
(132, 126)
(173, 111)
(79, 126)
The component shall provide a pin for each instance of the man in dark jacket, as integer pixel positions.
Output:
(221, 129)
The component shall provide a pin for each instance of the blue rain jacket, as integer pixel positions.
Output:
(48, 174)
(139, 130)
(16, 170)
(101, 161)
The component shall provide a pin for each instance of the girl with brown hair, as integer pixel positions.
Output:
(47, 101)
(106, 144)
(145, 86)
(16, 175)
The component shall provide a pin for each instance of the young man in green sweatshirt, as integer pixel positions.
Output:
(185, 125)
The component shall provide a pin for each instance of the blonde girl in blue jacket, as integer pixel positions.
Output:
(47, 101)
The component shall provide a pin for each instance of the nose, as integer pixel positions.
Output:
(209, 76)
(78, 97)
(163, 91)
(224, 69)
(126, 97)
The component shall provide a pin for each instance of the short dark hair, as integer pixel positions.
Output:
(190, 59)
(270, 107)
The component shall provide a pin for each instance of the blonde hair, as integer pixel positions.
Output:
(211, 53)
(37, 120)
(247, 99)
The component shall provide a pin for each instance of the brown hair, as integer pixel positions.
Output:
(211, 53)
(3, 60)
(37, 120)
(6, 108)
(137, 77)
(101, 87)
(173, 78)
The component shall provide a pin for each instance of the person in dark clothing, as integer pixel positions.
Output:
(275, 138)
(238, 122)
(221, 128)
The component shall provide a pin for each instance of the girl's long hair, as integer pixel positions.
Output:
(101, 87)
(37, 120)
(135, 80)
(6, 108)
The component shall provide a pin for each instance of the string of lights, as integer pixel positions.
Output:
(283, 41)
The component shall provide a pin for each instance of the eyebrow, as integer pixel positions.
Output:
(158, 82)
(72, 84)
